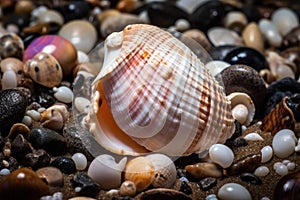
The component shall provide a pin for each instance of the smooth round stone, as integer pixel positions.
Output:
(285, 20)
(4, 171)
(247, 56)
(233, 191)
(50, 16)
(13, 104)
(235, 20)
(288, 187)
(220, 52)
(262, 171)
(48, 140)
(291, 166)
(81, 33)
(66, 165)
(284, 143)
(62, 49)
(38, 159)
(164, 14)
(82, 104)
(252, 37)
(221, 154)
(250, 178)
(270, 32)
(11, 45)
(266, 154)
(127, 188)
(51, 175)
(73, 10)
(80, 161)
(282, 170)
(20, 147)
(221, 36)
(216, 66)
(63, 94)
(23, 184)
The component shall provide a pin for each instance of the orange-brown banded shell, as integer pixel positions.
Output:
(154, 94)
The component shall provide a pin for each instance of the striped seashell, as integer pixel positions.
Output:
(154, 95)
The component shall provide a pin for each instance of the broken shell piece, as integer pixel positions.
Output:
(242, 107)
(54, 117)
(165, 170)
(106, 172)
(141, 172)
(281, 117)
(19, 128)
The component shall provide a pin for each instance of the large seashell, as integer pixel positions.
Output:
(153, 88)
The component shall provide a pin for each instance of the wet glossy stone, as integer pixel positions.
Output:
(48, 140)
(220, 52)
(51, 175)
(38, 159)
(250, 178)
(247, 56)
(246, 164)
(242, 78)
(13, 104)
(20, 147)
(23, 184)
(50, 16)
(87, 186)
(231, 191)
(208, 15)
(221, 36)
(164, 14)
(73, 10)
(66, 165)
(252, 37)
(288, 187)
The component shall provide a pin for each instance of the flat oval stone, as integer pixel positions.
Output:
(230, 191)
(66, 165)
(252, 37)
(13, 104)
(51, 175)
(48, 140)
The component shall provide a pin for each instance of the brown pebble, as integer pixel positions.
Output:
(247, 164)
(203, 170)
(51, 175)
(23, 184)
(199, 37)
(252, 37)
(19, 128)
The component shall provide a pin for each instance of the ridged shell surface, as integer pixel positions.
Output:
(159, 94)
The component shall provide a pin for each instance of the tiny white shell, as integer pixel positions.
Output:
(106, 172)
(284, 143)
(63, 94)
(253, 137)
(262, 171)
(266, 154)
(165, 170)
(82, 104)
(221, 154)
(80, 161)
(233, 191)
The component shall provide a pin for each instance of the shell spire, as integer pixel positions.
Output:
(157, 95)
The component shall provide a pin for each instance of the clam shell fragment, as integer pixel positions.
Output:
(153, 94)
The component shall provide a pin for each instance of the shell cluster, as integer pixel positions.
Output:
(153, 94)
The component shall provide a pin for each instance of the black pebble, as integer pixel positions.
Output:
(207, 183)
(88, 187)
(20, 147)
(64, 164)
(185, 188)
(250, 178)
(36, 160)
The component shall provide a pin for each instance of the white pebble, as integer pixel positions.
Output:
(77, 189)
(291, 166)
(262, 171)
(265, 198)
(221, 154)
(182, 25)
(284, 143)
(276, 165)
(82, 104)
(82, 57)
(80, 161)
(41, 109)
(266, 154)
(216, 66)
(35, 115)
(221, 36)
(253, 137)
(183, 179)
(233, 191)
(285, 20)
(270, 32)
(282, 170)
(9, 80)
(63, 94)
(285, 162)
(211, 197)
(4, 171)
(27, 120)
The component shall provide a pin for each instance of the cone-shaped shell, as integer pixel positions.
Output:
(156, 91)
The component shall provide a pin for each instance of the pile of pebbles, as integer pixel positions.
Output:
(255, 45)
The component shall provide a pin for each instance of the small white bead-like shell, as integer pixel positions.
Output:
(282, 170)
(221, 154)
(165, 170)
(253, 137)
(284, 143)
(266, 154)
(106, 172)
(233, 191)
(63, 94)
(262, 171)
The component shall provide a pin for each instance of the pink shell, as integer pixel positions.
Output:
(62, 49)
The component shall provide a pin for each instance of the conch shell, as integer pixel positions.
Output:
(154, 95)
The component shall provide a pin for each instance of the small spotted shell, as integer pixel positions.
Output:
(44, 69)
